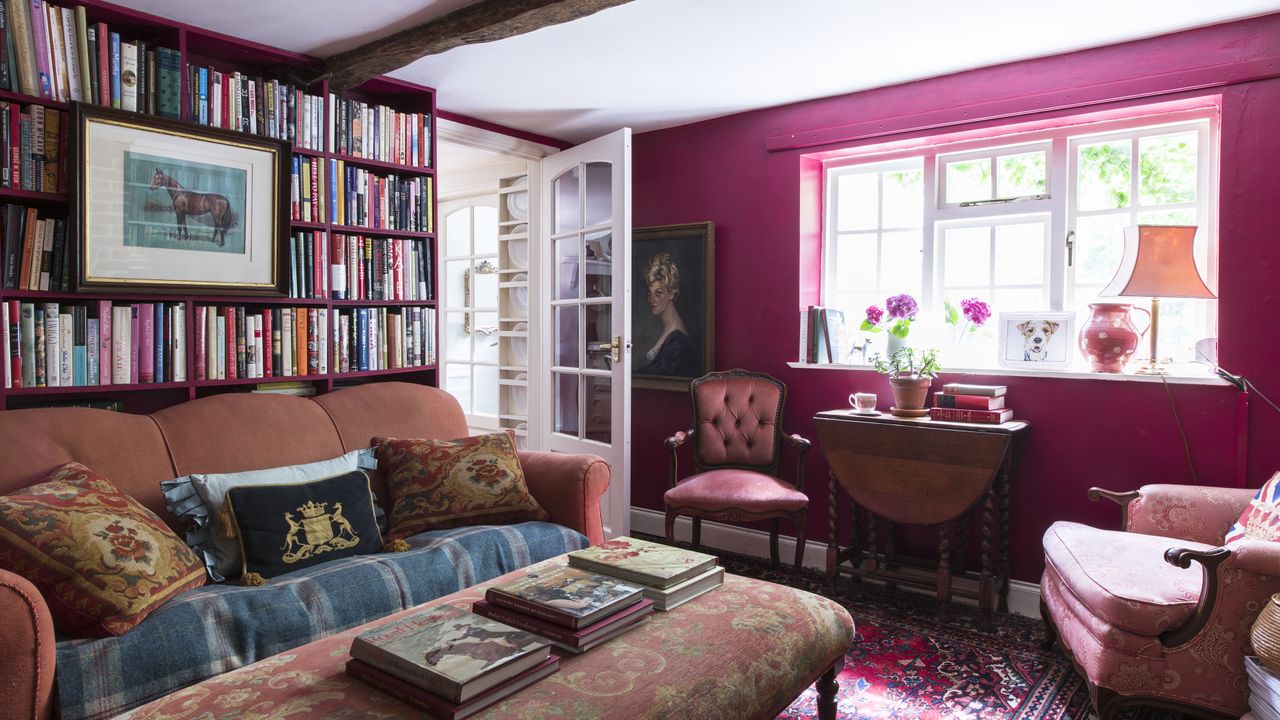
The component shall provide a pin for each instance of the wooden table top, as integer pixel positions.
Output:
(886, 418)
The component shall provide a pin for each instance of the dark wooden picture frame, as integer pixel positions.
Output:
(209, 234)
(678, 263)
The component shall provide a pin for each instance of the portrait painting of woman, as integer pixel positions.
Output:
(671, 311)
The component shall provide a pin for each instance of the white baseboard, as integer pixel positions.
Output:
(1024, 597)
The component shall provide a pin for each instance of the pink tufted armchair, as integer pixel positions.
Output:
(1142, 625)
(737, 436)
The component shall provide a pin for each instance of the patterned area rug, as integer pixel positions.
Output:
(908, 664)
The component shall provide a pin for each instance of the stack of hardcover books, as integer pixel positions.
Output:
(669, 576)
(1264, 690)
(971, 403)
(574, 609)
(449, 662)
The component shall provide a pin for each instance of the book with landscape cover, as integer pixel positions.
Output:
(566, 596)
(438, 707)
(449, 651)
(574, 641)
(644, 562)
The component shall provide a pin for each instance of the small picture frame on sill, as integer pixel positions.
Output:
(1037, 339)
(161, 205)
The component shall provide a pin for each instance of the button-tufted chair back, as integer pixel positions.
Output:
(737, 419)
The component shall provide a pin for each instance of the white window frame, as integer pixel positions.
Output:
(476, 421)
(1058, 202)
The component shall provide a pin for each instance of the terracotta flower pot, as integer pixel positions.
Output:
(910, 393)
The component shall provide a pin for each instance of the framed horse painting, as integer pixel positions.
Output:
(172, 206)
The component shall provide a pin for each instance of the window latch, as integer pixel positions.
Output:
(1071, 248)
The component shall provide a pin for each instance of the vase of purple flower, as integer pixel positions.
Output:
(895, 319)
(965, 320)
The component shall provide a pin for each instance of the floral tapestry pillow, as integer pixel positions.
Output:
(102, 561)
(1261, 519)
(438, 484)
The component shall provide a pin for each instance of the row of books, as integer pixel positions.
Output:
(356, 267)
(1264, 689)
(56, 53)
(357, 197)
(35, 251)
(33, 137)
(824, 337)
(453, 662)
(961, 402)
(257, 106)
(377, 132)
(101, 343)
(236, 342)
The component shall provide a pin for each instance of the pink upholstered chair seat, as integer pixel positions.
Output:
(744, 490)
(1100, 568)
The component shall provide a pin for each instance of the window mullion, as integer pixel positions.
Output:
(928, 266)
(1061, 183)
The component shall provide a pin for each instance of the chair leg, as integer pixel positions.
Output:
(773, 542)
(1050, 629)
(697, 533)
(800, 522)
(671, 525)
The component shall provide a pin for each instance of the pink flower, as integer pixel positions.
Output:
(977, 311)
(902, 307)
(874, 315)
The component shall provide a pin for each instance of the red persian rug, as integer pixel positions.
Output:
(907, 664)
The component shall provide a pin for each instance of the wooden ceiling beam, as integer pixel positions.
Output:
(480, 22)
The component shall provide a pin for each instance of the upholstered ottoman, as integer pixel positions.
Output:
(744, 651)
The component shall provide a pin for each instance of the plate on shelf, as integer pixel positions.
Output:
(518, 252)
(518, 202)
(520, 396)
(520, 295)
(520, 345)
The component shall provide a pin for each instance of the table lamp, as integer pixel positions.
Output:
(1159, 261)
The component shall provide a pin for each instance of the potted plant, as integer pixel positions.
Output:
(910, 374)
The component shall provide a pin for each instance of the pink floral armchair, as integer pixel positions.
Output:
(1160, 613)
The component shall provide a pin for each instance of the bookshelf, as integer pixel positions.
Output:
(330, 146)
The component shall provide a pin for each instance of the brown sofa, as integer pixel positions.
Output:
(231, 433)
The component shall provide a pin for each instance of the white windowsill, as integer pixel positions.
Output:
(1181, 375)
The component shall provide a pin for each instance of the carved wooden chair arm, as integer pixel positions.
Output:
(673, 444)
(802, 446)
(1209, 561)
(1120, 498)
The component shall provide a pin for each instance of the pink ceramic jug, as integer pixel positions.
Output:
(1109, 338)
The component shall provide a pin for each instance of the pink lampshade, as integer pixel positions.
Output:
(1159, 261)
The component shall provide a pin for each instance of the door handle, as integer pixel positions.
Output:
(617, 348)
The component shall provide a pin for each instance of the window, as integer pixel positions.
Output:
(1025, 224)
(470, 307)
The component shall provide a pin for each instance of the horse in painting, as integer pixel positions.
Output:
(189, 202)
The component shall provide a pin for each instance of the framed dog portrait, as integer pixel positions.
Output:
(163, 205)
(673, 310)
(1037, 339)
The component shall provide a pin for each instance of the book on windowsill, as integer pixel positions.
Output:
(983, 417)
(572, 641)
(643, 562)
(566, 596)
(449, 651)
(437, 706)
(983, 390)
(968, 402)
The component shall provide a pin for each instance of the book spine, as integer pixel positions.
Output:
(40, 35)
(52, 339)
(116, 92)
(160, 338)
(82, 54)
(405, 690)
(967, 402)
(242, 345)
(146, 343)
(71, 55)
(135, 343)
(527, 607)
(212, 348)
(24, 49)
(21, 342)
(988, 417)
(982, 390)
(80, 341)
(313, 342)
(401, 667)
(201, 337)
(522, 621)
(121, 338)
(277, 344)
(105, 326)
(66, 350)
(128, 75)
(92, 368)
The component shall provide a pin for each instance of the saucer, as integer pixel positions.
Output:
(865, 412)
(914, 413)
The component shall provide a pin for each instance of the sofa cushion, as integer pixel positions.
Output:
(102, 561)
(288, 527)
(198, 499)
(222, 627)
(437, 484)
(1261, 519)
(1097, 567)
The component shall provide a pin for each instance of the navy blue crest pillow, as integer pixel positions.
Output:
(283, 528)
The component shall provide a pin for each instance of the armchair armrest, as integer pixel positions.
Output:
(1209, 561)
(1182, 512)
(673, 444)
(26, 665)
(569, 487)
(802, 446)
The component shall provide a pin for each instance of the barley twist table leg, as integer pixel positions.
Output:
(1002, 564)
(944, 568)
(986, 589)
(833, 546)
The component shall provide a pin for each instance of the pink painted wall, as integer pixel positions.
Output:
(1084, 432)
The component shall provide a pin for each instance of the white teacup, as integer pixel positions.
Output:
(863, 402)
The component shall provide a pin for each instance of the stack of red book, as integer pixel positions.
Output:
(959, 402)
(574, 609)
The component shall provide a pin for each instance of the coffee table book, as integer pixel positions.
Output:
(574, 641)
(438, 707)
(1264, 689)
(644, 562)
(450, 652)
(677, 595)
(566, 596)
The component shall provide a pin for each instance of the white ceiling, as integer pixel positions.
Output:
(657, 63)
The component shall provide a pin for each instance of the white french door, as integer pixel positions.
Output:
(585, 347)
